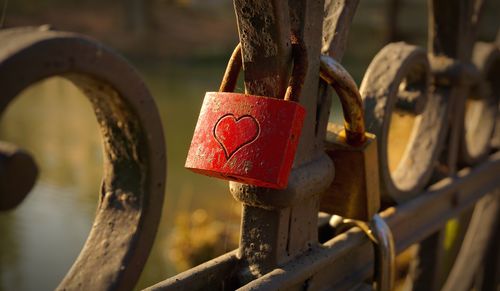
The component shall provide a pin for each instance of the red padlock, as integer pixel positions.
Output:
(247, 138)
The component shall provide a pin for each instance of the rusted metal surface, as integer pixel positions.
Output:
(272, 234)
(263, 27)
(18, 174)
(133, 185)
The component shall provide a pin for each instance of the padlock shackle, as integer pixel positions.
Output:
(233, 69)
(299, 70)
(381, 236)
(334, 74)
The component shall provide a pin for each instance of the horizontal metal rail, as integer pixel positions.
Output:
(348, 259)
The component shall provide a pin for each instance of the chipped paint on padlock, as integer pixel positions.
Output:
(246, 138)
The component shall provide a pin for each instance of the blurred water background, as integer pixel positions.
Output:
(180, 48)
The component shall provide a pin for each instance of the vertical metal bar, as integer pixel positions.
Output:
(451, 34)
(264, 28)
(446, 27)
(338, 18)
(264, 238)
(273, 235)
(391, 20)
(307, 23)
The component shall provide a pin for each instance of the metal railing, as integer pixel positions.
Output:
(450, 164)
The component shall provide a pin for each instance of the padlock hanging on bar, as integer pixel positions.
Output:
(247, 138)
(354, 192)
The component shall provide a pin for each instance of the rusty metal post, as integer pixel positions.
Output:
(279, 225)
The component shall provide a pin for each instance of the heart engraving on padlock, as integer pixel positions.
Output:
(234, 133)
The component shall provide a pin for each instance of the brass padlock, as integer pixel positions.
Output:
(355, 191)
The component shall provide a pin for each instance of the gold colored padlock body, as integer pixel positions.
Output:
(354, 192)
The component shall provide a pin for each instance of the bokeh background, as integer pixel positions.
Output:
(180, 48)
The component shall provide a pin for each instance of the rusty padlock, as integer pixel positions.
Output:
(355, 191)
(247, 138)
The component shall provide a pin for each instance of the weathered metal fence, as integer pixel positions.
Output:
(450, 165)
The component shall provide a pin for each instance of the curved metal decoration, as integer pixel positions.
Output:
(481, 107)
(402, 69)
(134, 151)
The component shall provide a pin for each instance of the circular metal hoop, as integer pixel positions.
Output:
(402, 67)
(481, 110)
(133, 185)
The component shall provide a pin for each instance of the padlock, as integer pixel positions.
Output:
(385, 252)
(354, 192)
(246, 138)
